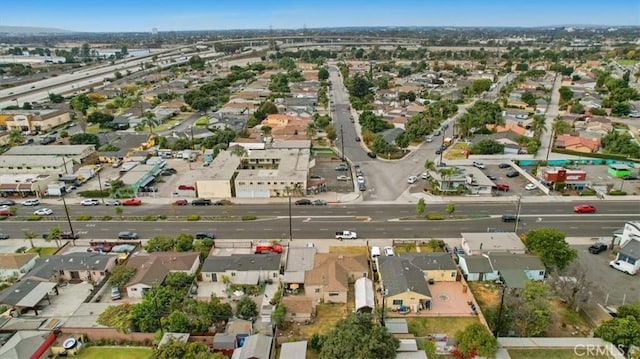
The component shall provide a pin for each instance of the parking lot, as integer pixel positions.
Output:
(516, 184)
(326, 168)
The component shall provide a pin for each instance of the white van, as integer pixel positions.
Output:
(375, 252)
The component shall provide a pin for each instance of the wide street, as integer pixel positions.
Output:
(369, 221)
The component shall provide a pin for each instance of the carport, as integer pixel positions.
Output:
(27, 294)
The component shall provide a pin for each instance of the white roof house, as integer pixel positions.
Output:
(488, 242)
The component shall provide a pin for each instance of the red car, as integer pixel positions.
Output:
(69, 235)
(180, 202)
(502, 187)
(584, 208)
(99, 248)
(6, 212)
(132, 202)
(185, 187)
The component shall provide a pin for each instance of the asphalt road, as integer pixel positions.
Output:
(321, 222)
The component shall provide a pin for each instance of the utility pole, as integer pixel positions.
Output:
(515, 229)
(499, 319)
(290, 221)
(100, 185)
(66, 211)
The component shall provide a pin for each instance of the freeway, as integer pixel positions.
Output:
(386, 221)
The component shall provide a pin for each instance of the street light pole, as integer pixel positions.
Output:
(515, 229)
(496, 330)
(342, 143)
(100, 185)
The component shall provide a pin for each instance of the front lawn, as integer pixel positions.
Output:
(327, 315)
(423, 326)
(43, 251)
(625, 62)
(115, 353)
(457, 152)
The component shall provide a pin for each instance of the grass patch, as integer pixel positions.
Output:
(487, 294)
(115, 353)
(405, 248)
(548, 353)
(626, 62)
(93, 129)
(149, 218)
(193, 217)
(425, 248)
(327, 315)
(348, 249)
(248, 217)
(83, 217)
(34, 217)
(434, 217)
(457, 152)
(422, 326)
(106, 218)
(43, 251)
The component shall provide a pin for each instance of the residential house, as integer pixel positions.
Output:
(630, 232)
(477, 268)
(299, 260)
(329, 279)
(516, 269)
(403, 284)
(491, 242)
(16, 264)
(127, 144)
(153, 268)
(299, 309)
(629, 253)
(517, 129)
(592, 127)
(469, 179)
(27, 344)
(257, 346)
(28, 294)
(250, 269)
(79, 266)
(225, 343)
(508, 138)
(364, 295)
(294, 350)
(437, 266)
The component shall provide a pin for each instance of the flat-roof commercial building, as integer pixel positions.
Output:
(34, 120)
(258, 174)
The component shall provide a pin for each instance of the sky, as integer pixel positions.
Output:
(165, 15)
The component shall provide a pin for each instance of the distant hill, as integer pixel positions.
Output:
(30, 30)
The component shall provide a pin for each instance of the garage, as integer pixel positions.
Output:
(253, 193)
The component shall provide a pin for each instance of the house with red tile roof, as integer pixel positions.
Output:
(578, 143)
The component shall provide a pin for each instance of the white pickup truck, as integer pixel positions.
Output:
(346, 235)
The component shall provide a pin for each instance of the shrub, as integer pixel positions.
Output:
(2, 218)
(149, 218)
(34, 217)
(434, 216)
(106, 218)
(248, 217)
(162, 216)
(83, 217)
(617, 192)
(94, 194)
(193, 217)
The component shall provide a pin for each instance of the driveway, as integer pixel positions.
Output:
(67, 302)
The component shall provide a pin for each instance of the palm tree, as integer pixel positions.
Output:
(15, 137)
(561, 127)
(429, 165)
(538, 124)
(55, 233)
(150, 121)
(29, 235)
(446, 174)
(311, 130)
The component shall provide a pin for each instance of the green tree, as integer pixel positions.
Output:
(402, 141)
(121, 275)
(278, 315)
(80, 104)
(177, 322)
(29, 235)
(15, 137)
(54, 234)
(178, 281)
(117, 316)
(160, 244)
(476, 338)
(550, 245)
(189, 350)
(332, 135)
(357, 336)
(246, 308)
(323, 74)
(118, 210)
(565, 94)
(268, 108)
(624, 329)
(421, 206)
(451, 207)
(487, 147)
(531, 311)
(184, 243)
(150, 121)
(84, 139)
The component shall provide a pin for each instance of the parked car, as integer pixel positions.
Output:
(438, 151)
(7, 202)
(128, 235)
(357, 139)
(530, 187)
(371, 154)
(31, 202)
(203, 235)
(112, 203)
(504, 165)
(180, 202)
(115, 293)
(584, 208)
(43, 212)
(132, 202)
(90, 202)
(479, 165)
(429, 139)
(6, 212)
(362, 187)
(502, 187)
(69, 235)
(388, 251)
(185, 187)
(100, 248)
(630, 177)
(598, 248)
(342, 167)
(319, 202)
(303, 202)
(360, 179)
(201, 202)
(4, 235)
(492, 177)
(222, 202)
(424, 175)
(412, 179)
(343, 178)
(512, 174)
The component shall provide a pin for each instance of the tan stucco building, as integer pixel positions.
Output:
(34, 120)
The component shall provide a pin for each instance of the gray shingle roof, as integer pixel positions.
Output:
(241, 262)
(300, 259)
(256, 346)
(431, 261)
(478, 264)
(399, 275)
(631, 249)
(504, 261)
(46, 267)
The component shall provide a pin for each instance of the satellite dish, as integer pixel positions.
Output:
(69, 343)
